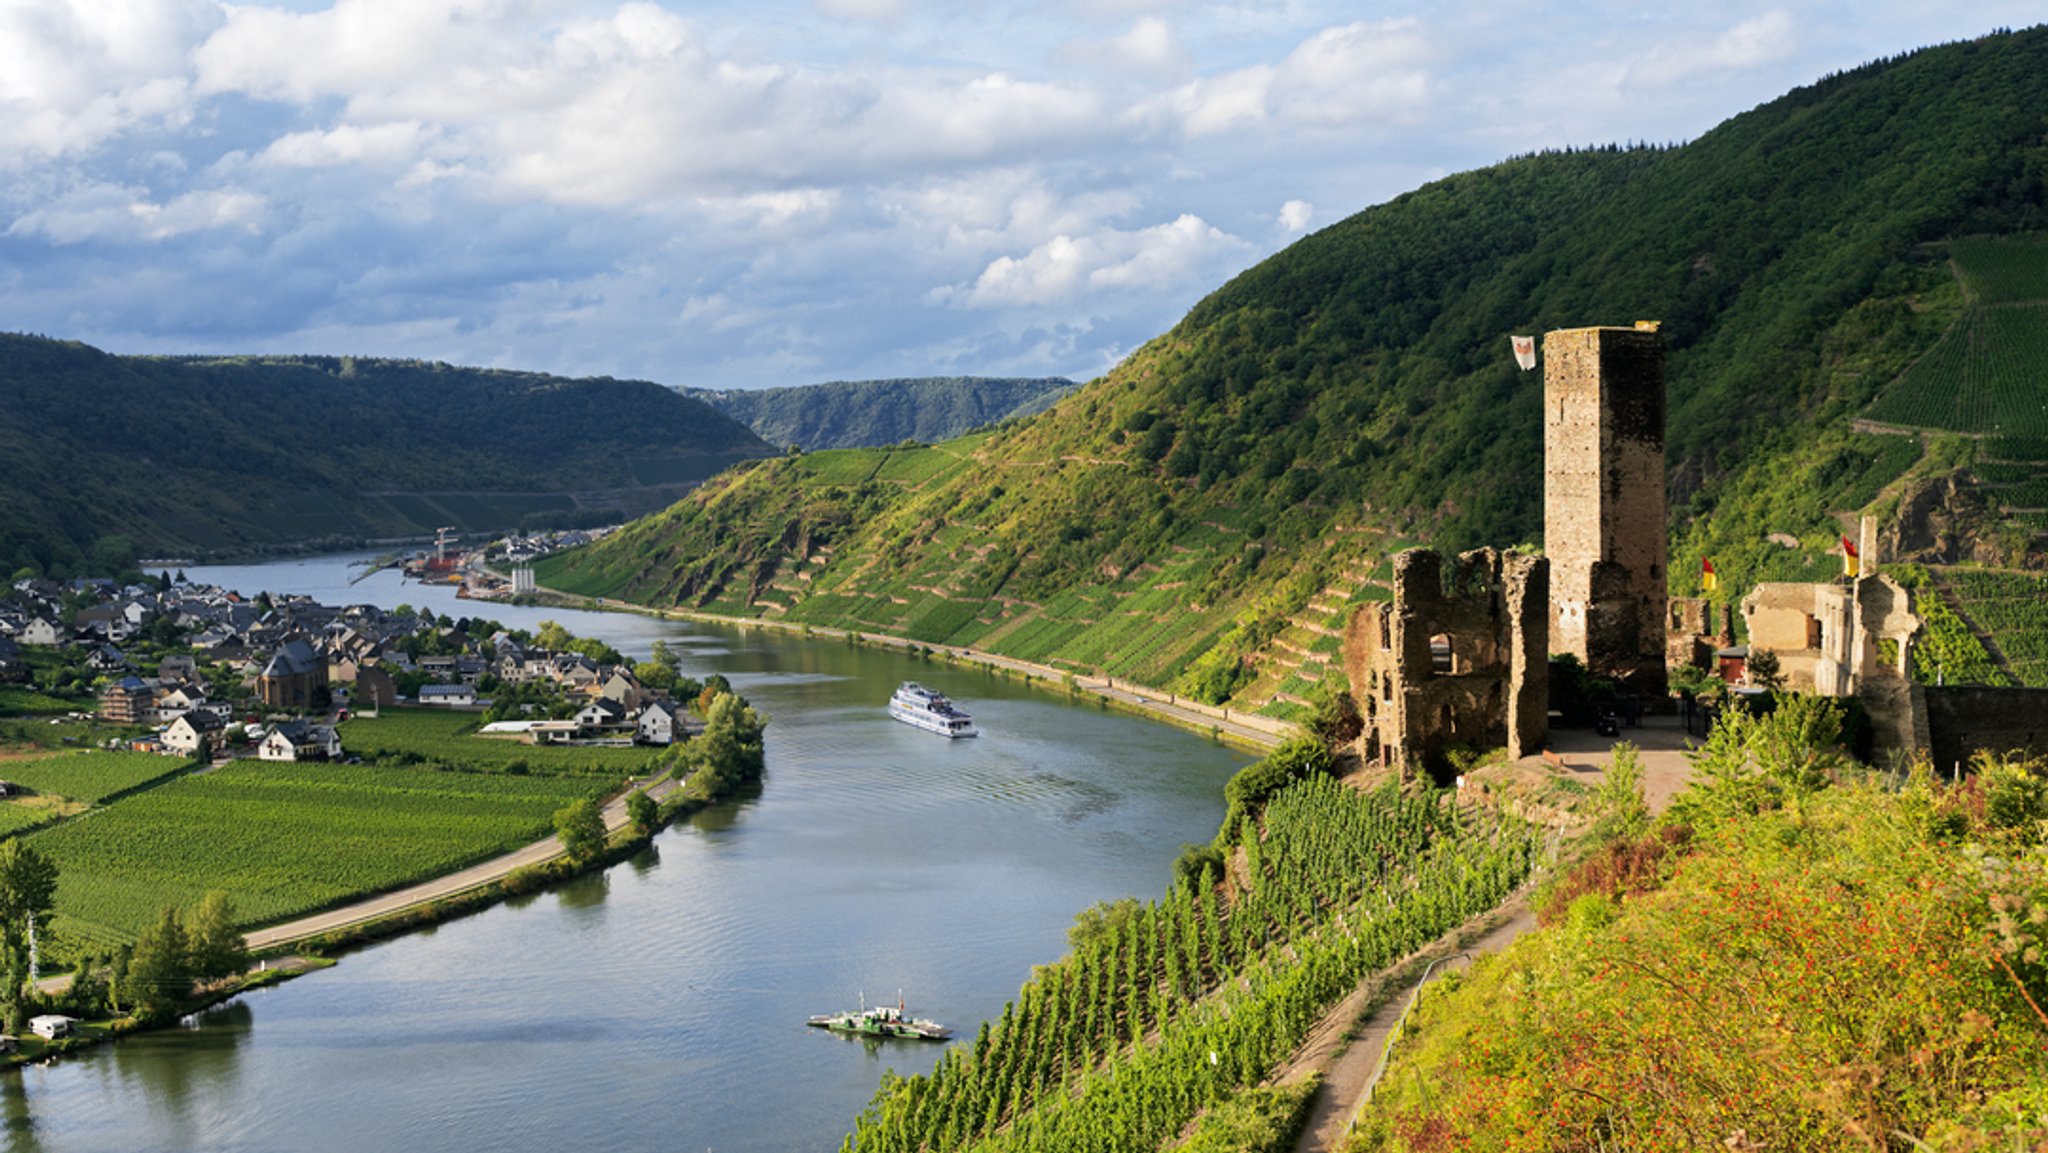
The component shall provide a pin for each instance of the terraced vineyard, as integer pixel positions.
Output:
(1188, 999)
(2002, 269)
(1948, 651)
(1989, 374)
(2012, 607)
(284, 839)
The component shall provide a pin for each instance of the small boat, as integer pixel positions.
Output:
(926, 709)
(882, 1021)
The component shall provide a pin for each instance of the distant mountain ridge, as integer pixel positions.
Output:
(113, 456)
(871, 413)
(1206, 514)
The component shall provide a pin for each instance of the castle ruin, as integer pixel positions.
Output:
(1462, 662)
(1603, 501)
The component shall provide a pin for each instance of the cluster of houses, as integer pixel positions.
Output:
(297, 660)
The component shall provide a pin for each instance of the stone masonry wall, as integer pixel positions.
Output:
(1603, 501)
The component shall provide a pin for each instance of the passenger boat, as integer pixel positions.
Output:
(916, 705)
(882, 1021)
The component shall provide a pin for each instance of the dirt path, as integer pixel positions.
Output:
(1347, 1047)
(1348, 1050)
(488, 872)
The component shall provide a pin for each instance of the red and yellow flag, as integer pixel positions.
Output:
(1708, 581)
(1852, 561)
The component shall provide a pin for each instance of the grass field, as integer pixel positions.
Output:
(439, 738)
(284, 839)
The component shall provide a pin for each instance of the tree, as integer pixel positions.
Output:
(1763, 669)
(661, 654)
(28, 889)
(551, 636)
(158, 976)
(581, 827)
(729, 752)
(642, 811)
(655, 674)
(215, 947)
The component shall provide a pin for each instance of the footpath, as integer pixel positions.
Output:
(1348, 1046)
(476, 876)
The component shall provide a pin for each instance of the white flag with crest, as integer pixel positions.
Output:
(1525, 351)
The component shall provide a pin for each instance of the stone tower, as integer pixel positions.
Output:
(1603, 500)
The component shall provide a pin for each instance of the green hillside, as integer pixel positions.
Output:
(870, 413)
(1202, 515)
(109, 457)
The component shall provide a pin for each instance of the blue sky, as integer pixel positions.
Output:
(787, 191)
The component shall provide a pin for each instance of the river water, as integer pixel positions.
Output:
(660, 1005)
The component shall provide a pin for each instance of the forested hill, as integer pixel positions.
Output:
(1203, 514)
(112, 456)
(868, 413)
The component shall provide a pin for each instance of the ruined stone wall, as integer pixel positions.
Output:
(1603, 500)
(1487, 687)
(1962, 719)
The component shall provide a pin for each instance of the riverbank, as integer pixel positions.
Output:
(1246, 731)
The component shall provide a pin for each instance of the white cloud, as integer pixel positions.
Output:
(1148, 49)
(347, 144)
(75, 74)
(873, 11)
(1758, 40)
(1338, 76)
(106, 212)
(1067, 267)
(1295, 215)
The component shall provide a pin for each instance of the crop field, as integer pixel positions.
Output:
(21, 701)
(1948, 651)
(1984, 376)
(1998, 269)
(90, 775)
(284, 839)
(2012, 608)
(1117, 1045)
(438, 739)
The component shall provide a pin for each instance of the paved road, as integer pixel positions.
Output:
(1245, 728)
(495, 869)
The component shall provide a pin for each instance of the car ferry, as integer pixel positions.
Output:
(882, 1021)
(926, 709)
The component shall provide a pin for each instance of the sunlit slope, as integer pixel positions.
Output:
(1202, 515)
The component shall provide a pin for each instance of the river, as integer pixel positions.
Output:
(660, 1005)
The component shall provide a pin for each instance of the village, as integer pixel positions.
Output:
(198, 671)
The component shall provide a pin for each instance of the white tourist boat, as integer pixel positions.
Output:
(916, 705)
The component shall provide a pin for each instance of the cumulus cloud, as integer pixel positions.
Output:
(1762, 39)
(1067, 267)
(1295, 215)
(1338, 76)
(1148, 49)
(347, 144)
(75, 74)
(105, 212)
